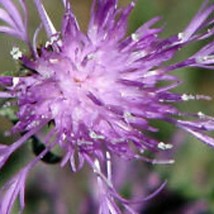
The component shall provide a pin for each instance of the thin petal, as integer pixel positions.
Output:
(48, 25)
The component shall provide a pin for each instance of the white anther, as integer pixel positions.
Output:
(42, 116)
(16, 53)
(151, 73)
(127, 116)
(171, 161)
(33, 124)
(201, 114)
(205, 59)
(63, 136)
(164, 146)
(181, 36)
(187, 97)
(97, 166)
(108, 165)
(135, 37)
(108, 156)
(90, 56)
(94, 135)
(54, 38)
(84, 142)
(53, 61)
(139, 54)
(15, 81)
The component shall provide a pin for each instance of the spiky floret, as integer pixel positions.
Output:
(100, 89)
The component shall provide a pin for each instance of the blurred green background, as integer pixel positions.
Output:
(51, 188)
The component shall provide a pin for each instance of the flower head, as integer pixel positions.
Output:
(97, 92)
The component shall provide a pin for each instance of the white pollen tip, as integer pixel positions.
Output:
(181, 36)
(108, 156)
(90, 56)
(16, 53)
(97, 166)
(96, 136)
(132, 3)
(15, 81)
(64, 136)
(135, 37)
(171, 161)
(164, 146)
(187, 97)
(209, 59)
(201, 114)
(53, 61)
(127, 115)
(151, 73)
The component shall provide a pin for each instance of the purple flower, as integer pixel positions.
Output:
(95, 94)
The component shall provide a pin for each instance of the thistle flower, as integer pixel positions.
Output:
(95, 94)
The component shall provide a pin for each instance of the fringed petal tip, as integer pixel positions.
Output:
(199, 129)
(14, 189)
(109, 197)
(16, 25)
(199, 22)
(46, 21)
(103, 25)
(205, 57)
